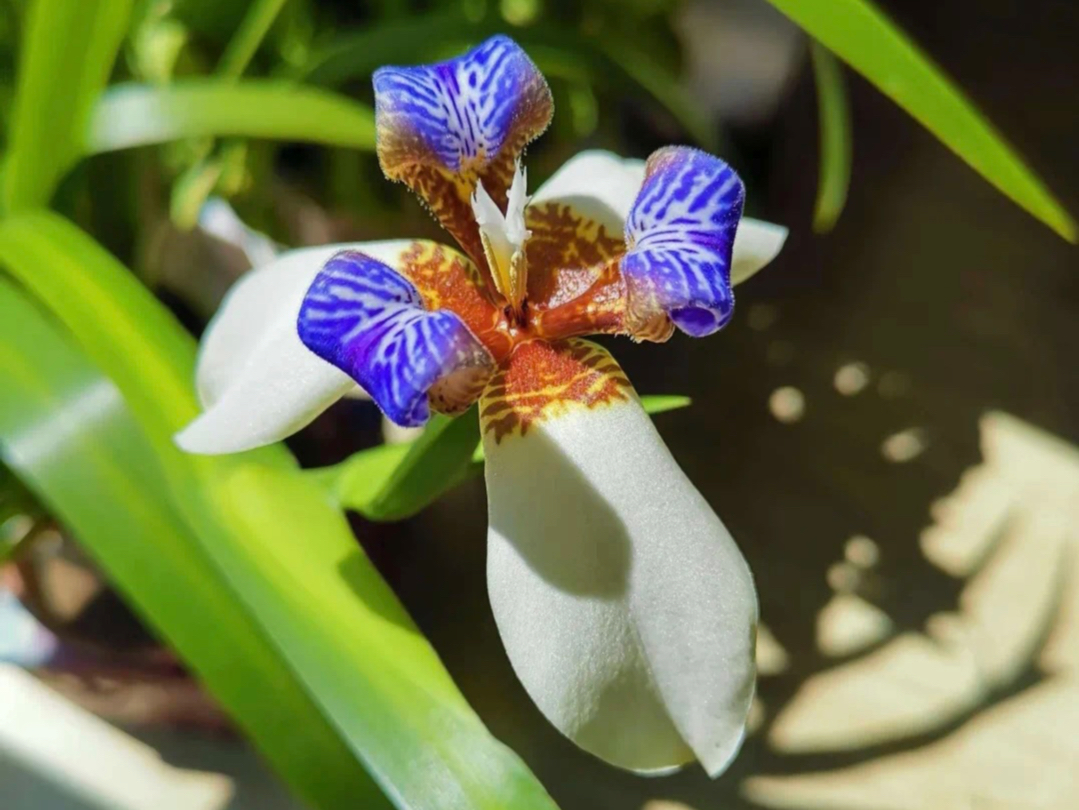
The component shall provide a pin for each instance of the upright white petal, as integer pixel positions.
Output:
(626, 609)
(257, 381)
(603, 186)
(756, 243)
(599, 184)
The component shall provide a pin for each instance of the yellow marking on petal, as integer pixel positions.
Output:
(541, 380)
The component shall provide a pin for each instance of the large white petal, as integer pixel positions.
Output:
(626, 609)
(603, 186)
(257, 381)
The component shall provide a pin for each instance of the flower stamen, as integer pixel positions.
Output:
(503, 237)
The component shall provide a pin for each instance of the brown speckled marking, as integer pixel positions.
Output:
(567, 252)
(575, 284)
(541, 380)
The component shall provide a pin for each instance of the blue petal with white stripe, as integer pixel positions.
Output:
(680, 232)
(464, 111)
(369, 321)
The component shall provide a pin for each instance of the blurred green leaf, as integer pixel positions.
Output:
(245, 42)
(282, 546)
(136, 115)
(67, 53)
(835, 138)
(194, 186)
(65, 429)
(857, 32)
(135, 340)
(368, 666)
(356, 482)
(357, 54)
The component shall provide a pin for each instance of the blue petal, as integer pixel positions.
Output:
(370, 322)
(463, 111)
(681, 234)
(443, 129)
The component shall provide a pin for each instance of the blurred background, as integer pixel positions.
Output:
(889, 427)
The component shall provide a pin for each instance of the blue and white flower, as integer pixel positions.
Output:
(626, 609)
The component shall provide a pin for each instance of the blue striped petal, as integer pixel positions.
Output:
(444, 128)
(680, 232)
(369, 321)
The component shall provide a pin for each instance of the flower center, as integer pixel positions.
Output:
(503, 237)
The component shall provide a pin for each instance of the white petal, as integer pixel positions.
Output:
(257, 381)
(218, 219)
(756, 243)
(600, 185)
(626, 609)
(603, 186)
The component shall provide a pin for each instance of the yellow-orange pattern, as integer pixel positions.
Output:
(541, 380)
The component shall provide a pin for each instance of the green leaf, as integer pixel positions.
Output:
(395, 481)
(356, 482)
(136, 115)
(858, 33)
(190, 191)
(67, 52)
(64, 428)
(835, 138)
(283, 548)
(372, 672)
(661, 403)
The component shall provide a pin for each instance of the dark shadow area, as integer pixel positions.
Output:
(363, 581)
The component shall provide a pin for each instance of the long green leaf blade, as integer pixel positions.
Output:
(373, 673)
(134, 339)
(68, 50)
(66, 430)
(835, 138)
(245, 42)
(661, 403)
(137, 115)
(857, 32)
